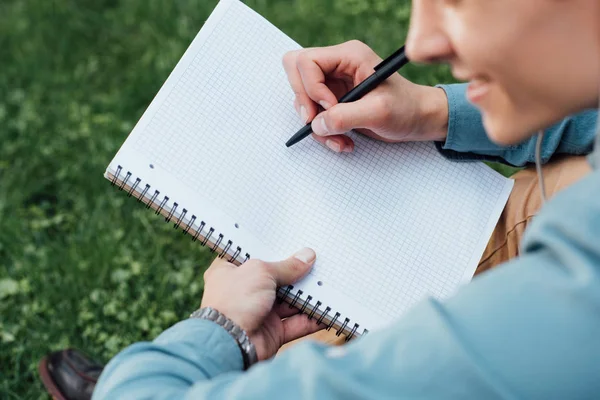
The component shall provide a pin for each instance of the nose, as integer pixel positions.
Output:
(427, 41)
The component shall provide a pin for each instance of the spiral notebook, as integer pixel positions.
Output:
(391, 223)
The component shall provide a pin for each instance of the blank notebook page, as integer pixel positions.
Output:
(391, 224)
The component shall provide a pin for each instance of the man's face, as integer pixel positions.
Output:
(530, 62)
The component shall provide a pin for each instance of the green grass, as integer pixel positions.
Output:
(81, 265)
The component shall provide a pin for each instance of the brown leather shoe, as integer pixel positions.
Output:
(69, 375)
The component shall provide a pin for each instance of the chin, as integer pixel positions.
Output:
(505, 131)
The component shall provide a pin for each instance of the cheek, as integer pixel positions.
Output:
(520, 104)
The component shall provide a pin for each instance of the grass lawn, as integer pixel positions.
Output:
(81, 265)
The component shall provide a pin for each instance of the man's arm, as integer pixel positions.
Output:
(526, 330)
(467, 139)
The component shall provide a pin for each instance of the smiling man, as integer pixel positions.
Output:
(526, 329)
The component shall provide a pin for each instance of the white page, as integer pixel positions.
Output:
(391, 224)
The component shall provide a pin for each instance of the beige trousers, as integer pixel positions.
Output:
(523, 204)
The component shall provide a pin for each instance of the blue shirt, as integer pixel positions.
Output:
(530, 329)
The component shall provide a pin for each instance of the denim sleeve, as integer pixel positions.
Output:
(528, 329)
(191, 351)
(467, 139)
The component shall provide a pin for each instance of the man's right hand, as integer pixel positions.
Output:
(397, 111)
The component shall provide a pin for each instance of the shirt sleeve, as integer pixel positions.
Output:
(468, 141)
(528, 329)
(192, 351)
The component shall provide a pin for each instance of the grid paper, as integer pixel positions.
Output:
(390, 224)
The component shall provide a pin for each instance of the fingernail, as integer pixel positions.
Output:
(303, 114)
(306, 255)
(319, 127)
(333, 145)
(348, 149)
(325, 104)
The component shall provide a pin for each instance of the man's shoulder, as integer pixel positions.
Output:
(595, 156)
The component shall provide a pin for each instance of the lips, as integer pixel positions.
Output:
(477, 90)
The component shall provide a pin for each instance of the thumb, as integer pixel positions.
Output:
(293, 269)
(344, 117)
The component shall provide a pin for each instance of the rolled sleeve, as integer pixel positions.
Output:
(467, 139)
(189, 352)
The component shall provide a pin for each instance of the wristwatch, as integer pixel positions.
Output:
(240, 336)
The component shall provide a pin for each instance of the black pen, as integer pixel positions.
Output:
(387, 68)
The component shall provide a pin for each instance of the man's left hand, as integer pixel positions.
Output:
(247, 294)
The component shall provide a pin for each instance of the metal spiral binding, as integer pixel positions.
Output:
(326, 316)
(195, 228)
(132, 186)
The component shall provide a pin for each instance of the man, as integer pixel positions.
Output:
(526, 329)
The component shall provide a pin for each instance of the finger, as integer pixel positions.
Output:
(314, 78)
(298, 326)
(371, 112)
(340, 61)
(339, 87)
(216, 265)
(373, 135)
(289, 271)
(221, 262)
(337, 143)
(306, 108)
(283, 310)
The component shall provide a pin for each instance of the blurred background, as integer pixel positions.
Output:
(81, 265)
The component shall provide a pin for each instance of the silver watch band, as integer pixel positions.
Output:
(240, 336)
